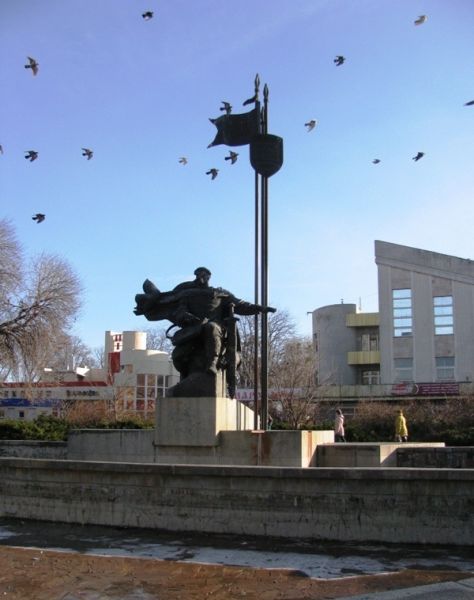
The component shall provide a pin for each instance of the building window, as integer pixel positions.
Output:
(445, 368)
(2, 414)
(370, 377)
(149, 387)
(402, 313)
(443, 315)
(369, 342)
(403, 370)
(21, 414)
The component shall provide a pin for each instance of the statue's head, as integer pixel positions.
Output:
(202, 275)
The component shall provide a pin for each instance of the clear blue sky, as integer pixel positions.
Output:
(139, 94)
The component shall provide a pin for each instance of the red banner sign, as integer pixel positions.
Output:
(426, 389)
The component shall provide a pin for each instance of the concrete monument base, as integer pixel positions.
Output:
(198, 421)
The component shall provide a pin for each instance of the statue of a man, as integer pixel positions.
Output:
(207, 341)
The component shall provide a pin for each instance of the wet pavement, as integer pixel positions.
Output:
(322, 560)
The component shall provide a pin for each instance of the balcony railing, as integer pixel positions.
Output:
(363, 357)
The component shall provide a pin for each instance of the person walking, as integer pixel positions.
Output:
(339, 434)
(401, 430)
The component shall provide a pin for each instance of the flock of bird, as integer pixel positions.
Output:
(311, 124)
(226, 107)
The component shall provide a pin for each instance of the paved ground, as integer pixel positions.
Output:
(46, 561)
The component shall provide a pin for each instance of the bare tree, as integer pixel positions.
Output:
(281, 329)
(292, 379)
(37, 305)
(156, 339)
(291, 368)
(98, 357)
(70, 352)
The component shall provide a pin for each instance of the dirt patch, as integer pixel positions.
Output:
(32, 574)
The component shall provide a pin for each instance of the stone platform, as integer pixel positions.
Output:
(365, 454)
(221, 431)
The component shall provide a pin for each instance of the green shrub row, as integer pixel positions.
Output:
(49, 428)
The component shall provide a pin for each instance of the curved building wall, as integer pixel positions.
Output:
(334, 339)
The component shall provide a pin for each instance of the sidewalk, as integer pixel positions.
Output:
(451, 590)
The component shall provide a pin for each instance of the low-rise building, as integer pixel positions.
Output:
(132, 381)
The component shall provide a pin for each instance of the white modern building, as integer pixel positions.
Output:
(421, 342)
(134, 378)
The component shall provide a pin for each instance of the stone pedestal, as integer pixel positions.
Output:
(200, 385)
(197, 421)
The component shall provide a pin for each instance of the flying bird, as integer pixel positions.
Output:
(311, 124)
(183, 160)
(251, 100)
(339, 60)
(1, 149)
(147, 15)
(232, 157)
(31, 155)
(39, 217)
(87, 152)
(421, 19)
(418, 156)
(470, 103)
(376, 161)
(213, 173)
(226, 106)
(33, 65)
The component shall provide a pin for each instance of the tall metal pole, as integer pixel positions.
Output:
(257, 296)
(264, 274)
(256, 281)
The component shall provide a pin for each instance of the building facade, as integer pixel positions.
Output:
(132, 382)
(421, 342)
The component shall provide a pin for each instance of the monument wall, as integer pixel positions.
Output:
(360, 504)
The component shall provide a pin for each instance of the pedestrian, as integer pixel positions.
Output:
(339, 434)
(401, 431)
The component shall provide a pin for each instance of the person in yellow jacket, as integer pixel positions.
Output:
(401, 431)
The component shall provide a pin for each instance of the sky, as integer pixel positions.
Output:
(140, 94)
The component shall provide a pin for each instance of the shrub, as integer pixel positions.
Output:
(450, 421)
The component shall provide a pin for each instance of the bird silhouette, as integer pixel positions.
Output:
(339, 60)
(213, 173)
(33, 65)
(470, 103)
(226, 106)
(232, 157)
(147, 15)
(251, 100)
(87, 152)
(183, 160)
(39, 217)
(376, 161)
(31, 155)
(418, 156)
(421, 19)
(311, 124)
(1, 149)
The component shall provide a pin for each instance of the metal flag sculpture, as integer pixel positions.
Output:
(266, 158)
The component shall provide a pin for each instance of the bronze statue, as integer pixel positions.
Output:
(206, 345)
